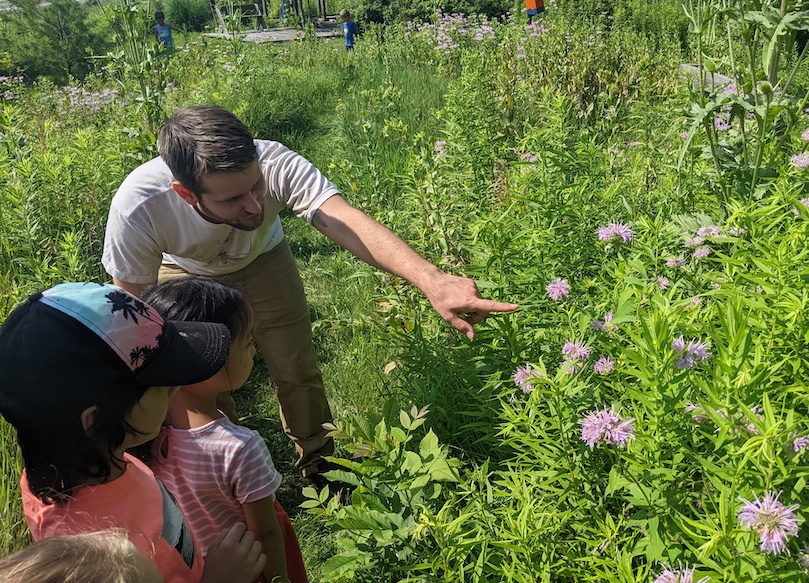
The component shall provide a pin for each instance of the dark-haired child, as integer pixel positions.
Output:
(162, 31)
(220, 472)
(88, 372)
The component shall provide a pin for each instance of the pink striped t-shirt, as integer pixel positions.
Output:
(212, 470)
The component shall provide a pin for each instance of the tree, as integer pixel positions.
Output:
(53, 40)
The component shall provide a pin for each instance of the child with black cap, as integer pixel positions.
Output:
(88, 372)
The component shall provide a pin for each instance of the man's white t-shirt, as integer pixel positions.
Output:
(150, 224)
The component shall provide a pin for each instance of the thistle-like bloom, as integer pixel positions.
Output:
(699, 416)
(575, 353)
(605, 324)
(522, 377)
(680, 575)
(604, 365)
(736, 231)
(773, 521)
(701, 252)
(662, 283)
(709, 231)
(800, 161)
(614, 231)
(805, 135)
(694, 241)
(675, 262)
(800, 444)
(606, 426)
(558, 289)
(691, 352)
(440, 147)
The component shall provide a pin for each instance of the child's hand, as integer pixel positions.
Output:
(234, 557)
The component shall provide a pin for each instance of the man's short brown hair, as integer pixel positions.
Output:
(203, 139)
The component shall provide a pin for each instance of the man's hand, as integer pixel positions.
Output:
(234, 557)
(457, 300)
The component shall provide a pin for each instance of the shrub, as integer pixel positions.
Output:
(188, 15)
(56, 40)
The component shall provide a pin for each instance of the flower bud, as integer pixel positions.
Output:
(765, 88)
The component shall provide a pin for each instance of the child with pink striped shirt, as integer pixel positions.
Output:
(221, 473)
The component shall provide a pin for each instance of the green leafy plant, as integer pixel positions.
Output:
(397, 478)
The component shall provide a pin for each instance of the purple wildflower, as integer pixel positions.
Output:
(522, 377)
(683, 135)
(697, 416)
(675, 262)
(701, 252)
(680, 575)
(805, 203)
(613, 231)
(634, 144)
(606, 426)
(805, 135)
(662, 283)
(800, 161)
(721, 124)
(803, 558)
(773, 521)
(604, 325)
(694, 241)
(709, 231)
(440, 147)
(558, 289)
(575, 353)
(736, 231)
(689, 352)
(604, 365)
(800, 444)
(528, 157)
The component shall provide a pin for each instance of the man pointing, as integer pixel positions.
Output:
(209, 206)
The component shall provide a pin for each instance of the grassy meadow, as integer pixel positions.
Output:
(643, 417)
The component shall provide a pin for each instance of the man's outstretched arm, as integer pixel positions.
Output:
(456, 299)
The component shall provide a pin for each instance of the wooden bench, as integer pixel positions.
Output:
(242, 10)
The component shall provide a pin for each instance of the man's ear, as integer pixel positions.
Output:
(184, 193)
(87, 417)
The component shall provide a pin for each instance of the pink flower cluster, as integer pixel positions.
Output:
(606, 325)
(692, 352)
(606, 426)
(604, 365)
(679, 575)
(615, 231)
(522, 377)
(773, 521)
(800, 161)
(558, 289)
(576, 354)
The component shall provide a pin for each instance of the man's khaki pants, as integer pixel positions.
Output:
(283, 333)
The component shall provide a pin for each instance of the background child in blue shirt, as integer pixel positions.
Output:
(162, 31)
(350, 29)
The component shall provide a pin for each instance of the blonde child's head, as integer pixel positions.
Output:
(101, 557)
(87, 370)
(345, 15)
